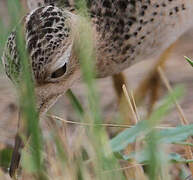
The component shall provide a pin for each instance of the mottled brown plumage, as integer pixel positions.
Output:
(125, 32)
(131, 31)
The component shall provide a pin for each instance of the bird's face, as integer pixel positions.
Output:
(50, 44)
(60, 74)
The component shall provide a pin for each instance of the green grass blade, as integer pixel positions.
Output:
(189, 61)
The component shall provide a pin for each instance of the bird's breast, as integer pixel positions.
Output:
(130, 32)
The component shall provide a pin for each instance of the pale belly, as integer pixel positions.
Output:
(146, 37)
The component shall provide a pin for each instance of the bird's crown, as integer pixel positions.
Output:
(48, 43)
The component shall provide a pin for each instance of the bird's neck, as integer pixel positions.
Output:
(102, 35)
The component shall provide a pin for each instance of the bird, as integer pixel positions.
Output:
(125, 32)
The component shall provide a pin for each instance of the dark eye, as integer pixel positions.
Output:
(59, 72)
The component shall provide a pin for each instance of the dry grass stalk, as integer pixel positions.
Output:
(134, 106)
(135, 117)
(148, 83)
(118, 81)
(183, 119)
(138, 172)
(90, 124)
(166, 126)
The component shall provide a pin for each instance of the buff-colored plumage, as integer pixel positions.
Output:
(125, 32)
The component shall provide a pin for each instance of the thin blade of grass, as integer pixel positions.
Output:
(189, 60)
(97, 134)
(26, 91)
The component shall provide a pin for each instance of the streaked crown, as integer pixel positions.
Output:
(48, 42)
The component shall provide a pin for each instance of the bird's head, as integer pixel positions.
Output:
(49, 40)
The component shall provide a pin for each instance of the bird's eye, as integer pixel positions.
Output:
(59, 72)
